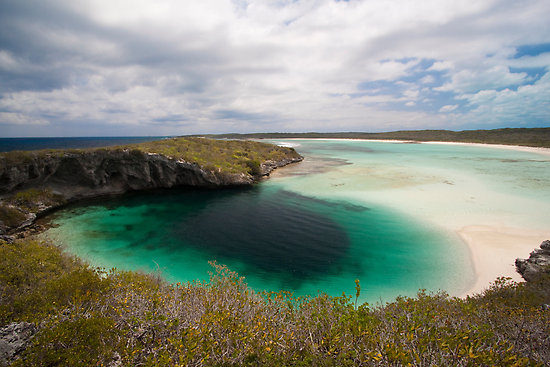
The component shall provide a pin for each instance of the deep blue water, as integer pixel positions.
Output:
(10, 144)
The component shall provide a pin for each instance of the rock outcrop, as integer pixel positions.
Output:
(14, 338)
(75, 175)
(537, 264)
(99, 172)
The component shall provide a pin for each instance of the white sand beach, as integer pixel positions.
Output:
(543, 151)
(493, 250)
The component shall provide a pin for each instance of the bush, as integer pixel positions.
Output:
(79, 342)
(37, 280)
(11, 217)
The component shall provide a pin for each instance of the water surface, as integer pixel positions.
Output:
(351, 210)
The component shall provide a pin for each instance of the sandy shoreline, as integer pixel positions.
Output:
(522, 148)
(493, 247)
(493, 252)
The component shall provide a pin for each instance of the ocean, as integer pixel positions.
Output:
(11, 144)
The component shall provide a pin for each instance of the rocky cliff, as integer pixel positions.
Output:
(74, 175)
(537, 264)
(91, 173)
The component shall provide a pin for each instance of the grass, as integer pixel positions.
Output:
(89, 316)
(11, 216)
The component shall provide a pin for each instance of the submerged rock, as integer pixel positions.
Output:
(537, 264)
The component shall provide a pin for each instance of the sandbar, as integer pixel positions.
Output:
(521, 148)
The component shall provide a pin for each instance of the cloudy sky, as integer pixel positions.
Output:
(166, 67)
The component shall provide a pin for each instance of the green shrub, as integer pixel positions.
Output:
(89, 317)
(32, 198)
(11, 217)
(37, 279)
(231, 156)
(76, 342)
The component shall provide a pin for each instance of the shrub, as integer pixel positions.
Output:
(90, 317)
(36, 280)
(78, 342)
(11, 217)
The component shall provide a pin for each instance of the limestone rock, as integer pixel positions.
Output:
(538, 263)
(76, 175)
(14, 338)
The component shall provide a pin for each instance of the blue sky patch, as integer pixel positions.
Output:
(532, 50)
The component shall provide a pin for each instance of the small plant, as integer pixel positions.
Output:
(357, 291)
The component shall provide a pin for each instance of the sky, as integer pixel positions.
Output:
(175, 67)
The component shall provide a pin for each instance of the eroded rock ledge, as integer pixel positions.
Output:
(537, 264)
(76, 175)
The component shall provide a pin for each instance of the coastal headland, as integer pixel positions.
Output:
(35, 182)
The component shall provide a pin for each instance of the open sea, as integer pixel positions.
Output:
(383, 213)
(11, 144)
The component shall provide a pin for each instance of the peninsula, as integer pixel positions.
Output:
(34, 182)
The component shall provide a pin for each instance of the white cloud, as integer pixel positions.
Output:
(268, 65)
(12, 118)
(428, 79)
(441, 65)
(496, 77)
(448, 108)
(522, 106)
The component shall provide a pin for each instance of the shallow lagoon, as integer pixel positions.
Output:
(353, 209)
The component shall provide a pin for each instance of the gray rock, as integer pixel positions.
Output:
(103, 172)
(14, 339)
(85, 174)
(7, 238)
(538, 263)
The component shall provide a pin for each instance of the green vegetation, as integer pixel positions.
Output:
(535, 137)
(15, 208)
(87, 316)
(11, 216)
(228, 156)
(32, 199)
(232, 156)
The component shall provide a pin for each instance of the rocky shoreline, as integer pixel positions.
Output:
(40, 183)
(537, 264)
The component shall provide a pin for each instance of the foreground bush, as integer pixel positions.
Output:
(87, 316)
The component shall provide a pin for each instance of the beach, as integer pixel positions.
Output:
(494, 248)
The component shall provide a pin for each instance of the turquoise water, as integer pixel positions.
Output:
(318, 226)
